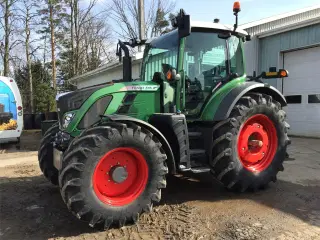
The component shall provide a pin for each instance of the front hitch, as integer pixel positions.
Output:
(61, 141)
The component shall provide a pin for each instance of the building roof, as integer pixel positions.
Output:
(305, 16)
(103, 68)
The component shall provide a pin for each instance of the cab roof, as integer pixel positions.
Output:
(211, 25)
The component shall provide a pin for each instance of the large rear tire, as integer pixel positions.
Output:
(45, 155)
(250, 146)
(112, 173)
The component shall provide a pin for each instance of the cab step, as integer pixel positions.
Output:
(194, 170)
(197, 153)
(195, 134)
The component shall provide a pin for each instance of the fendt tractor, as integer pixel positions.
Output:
(194, 109)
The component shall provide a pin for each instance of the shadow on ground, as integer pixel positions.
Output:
(31, 208)
(29, 141)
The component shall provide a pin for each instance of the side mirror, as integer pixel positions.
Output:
(185, 27)
(182, 22)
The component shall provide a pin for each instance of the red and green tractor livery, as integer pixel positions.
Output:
(194, 109)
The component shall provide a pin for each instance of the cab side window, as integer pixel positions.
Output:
(205, 66)
(236, 59)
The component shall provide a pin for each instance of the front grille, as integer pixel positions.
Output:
(94, 113)
(126, 103)
(74, 100)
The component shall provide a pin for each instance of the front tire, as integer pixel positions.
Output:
(112, 173)
(250, 146)
(45, 155)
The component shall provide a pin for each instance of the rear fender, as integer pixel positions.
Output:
(155, 131)
(232, 97)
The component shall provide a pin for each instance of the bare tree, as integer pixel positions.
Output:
(96, 36)
(28, 13)
(7, 24)
(126, 15)
(53, 46)
(86, 30)
(92, 44)
(78, 17)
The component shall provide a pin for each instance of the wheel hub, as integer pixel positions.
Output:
(254, 142)
(119, 174)
(257, 143)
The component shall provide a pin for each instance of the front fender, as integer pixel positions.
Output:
(227, 103)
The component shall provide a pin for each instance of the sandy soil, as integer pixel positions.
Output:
(193, 206)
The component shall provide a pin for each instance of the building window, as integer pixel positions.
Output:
(293, 99)
(314, 98)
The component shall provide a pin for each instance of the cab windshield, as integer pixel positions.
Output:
(163, 49)
(210, 59)
(207, 57)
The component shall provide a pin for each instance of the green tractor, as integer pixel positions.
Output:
(193, 110)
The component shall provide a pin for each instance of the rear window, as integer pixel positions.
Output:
(314, 98)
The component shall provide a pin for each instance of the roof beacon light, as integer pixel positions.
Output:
(236, 7)
(236, 10)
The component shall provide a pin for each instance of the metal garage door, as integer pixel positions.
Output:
(302, 91)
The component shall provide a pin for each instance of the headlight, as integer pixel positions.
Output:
(67, 118)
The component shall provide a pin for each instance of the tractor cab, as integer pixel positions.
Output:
(209, 57)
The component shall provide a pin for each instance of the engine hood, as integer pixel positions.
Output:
(81, 99)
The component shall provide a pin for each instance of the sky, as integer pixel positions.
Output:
(251, 10)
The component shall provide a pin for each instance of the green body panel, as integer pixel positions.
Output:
(214, 102)
(145, 103)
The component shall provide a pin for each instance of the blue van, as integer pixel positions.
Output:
(11, 111)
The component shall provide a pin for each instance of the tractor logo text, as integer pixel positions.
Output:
(140, 88)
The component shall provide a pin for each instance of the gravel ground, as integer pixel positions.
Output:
(193, 206)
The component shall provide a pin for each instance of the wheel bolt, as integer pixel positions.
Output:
(262, 153)
(258, 126)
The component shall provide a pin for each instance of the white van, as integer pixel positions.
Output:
(11, 111)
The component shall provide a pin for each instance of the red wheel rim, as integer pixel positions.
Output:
(257, 143)
(120, 176)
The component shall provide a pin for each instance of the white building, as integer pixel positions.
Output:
(291, 41)
(107, 72)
